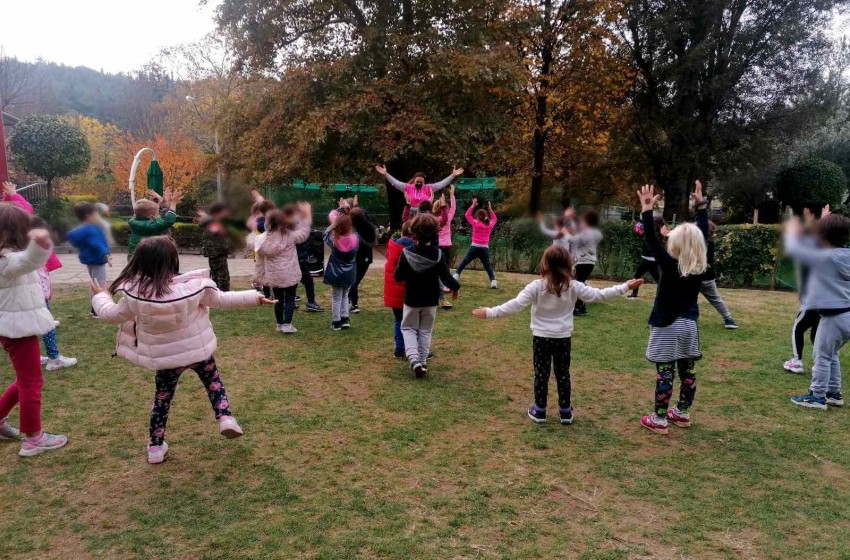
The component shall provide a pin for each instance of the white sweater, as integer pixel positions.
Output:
(551, 315)
(22, 309)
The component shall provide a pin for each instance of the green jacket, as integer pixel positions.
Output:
(139, 229)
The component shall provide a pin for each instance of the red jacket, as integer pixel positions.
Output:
(394, 291)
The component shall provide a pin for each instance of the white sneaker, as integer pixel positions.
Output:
(7, 432)
(286, 329)
(156, 453)
(44, 360)
(494, 284)
(59, 363)
(794, 366)
(229, 428)
(456, 276)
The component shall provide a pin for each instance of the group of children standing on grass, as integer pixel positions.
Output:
(164, 315)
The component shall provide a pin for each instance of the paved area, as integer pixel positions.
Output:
(72, 272)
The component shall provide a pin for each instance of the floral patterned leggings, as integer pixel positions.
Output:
(166, 385)
(664, 385)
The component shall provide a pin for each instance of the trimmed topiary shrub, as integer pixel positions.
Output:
(812, 183)
(744, 253)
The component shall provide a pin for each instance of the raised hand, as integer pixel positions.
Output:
(697, 197)
(665, 230)
(635, 284)
(256, 196)
(41, 237)
(305, 208)
(97, 287)
(8, 188)
(648, 198)
(382, 169)
(356, 200)
(481, 312)
(155, 195)
(792, 225)
(825, 212)
(457, 171)
(474, 201)
(174, 199)
(490, 206)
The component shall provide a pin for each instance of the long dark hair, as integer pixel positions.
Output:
(15, 226)
(363, 225)
(556, 267)
(482, 215)
(151, 268)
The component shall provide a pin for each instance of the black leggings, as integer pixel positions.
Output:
(166, 385)
(284, 307)
(362, 267)
(583, 272)
(643, 267)
(307, 280)
(549, 351)
(480, 253)
(805, 320)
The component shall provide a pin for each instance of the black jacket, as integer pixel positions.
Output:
(676, 295)
(421, 268)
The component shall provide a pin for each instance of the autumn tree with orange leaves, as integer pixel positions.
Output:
(182, 162)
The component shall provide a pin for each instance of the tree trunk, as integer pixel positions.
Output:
(50, 189)
(676, 199)
(541, 109)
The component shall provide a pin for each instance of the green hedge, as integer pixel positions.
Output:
(744, 255)
(187, 236)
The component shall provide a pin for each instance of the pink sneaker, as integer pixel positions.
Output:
(156, 453)
(654, 424)
(45, 442)
(794, 366)
(8, 432)
(229, 428)
(679, 418)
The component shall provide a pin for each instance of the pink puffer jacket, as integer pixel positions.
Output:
(174, 330)
(277, 257)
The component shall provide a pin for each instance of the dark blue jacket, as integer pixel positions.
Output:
(90, 240)
(341, 270)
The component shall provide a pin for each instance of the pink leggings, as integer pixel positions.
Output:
(26, 389)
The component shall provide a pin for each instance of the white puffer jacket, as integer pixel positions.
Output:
(22, 309)
(174, 330)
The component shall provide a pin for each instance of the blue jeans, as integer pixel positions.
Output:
(480, 253)
(399, 339)
(833, 334)
(51, 346)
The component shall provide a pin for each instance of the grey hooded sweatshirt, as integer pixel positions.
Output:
(421, 268)
(828, 288)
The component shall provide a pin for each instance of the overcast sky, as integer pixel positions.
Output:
(112, 35)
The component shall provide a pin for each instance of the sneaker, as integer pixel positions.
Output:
(493, 284)
(456, 276)
(44, 360)
(654, 424)
(580, 313)
(345, 323)
(446, 304)
(731, 324)
(399, 353)
(8, 432)
(431, 355)
(794, 366)
(314, 307)
(287, 329)
(354, 308)
(566, 415)
(156, 453)
(537, 415)
(45, 442)
(809, 400)
(424, 369)
(418, 370)
(679, 418)
(229, 428)
(336, 325)
(59, 363)
(298, 298)
(632, 296)
(832, 399)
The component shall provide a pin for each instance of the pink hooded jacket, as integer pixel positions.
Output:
(277, 258)
(446, 215)
(174, 330)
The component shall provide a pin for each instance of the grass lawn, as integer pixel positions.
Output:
(347, 456)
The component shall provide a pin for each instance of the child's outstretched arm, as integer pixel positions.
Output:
(470, 217)
(648, 200)
(302, 231)
(217, 299)
(493, 218)
(588, 293)
(106, 309)
(803, 252)
(525, 298)
(701, 210)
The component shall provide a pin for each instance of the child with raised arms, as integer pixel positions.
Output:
(553, 300)
(165, 327)
(673, 332)
(482, 222)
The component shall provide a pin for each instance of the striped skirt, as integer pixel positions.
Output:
(678, 341)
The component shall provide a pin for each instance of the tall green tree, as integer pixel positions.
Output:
(713, 74)
(50, 147)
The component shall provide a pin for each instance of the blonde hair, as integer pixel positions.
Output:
(687, 245)
(145, 209)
